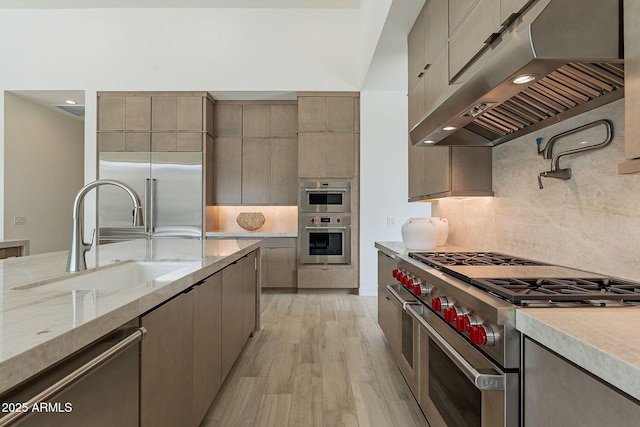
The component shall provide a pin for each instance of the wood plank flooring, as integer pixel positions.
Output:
(320, 360)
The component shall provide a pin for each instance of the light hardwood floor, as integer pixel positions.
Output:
(320, 360)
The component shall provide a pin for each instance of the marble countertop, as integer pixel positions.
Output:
(248, 234)
(40, 326)
(603, 341)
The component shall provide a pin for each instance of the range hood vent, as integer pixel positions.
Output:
(571, 49)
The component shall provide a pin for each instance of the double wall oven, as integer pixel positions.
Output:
(325, 222)
(458, 327)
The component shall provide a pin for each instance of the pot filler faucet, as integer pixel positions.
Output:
(78, 247)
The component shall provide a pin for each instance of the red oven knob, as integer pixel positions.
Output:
(483, 335)
(463, 324)
(450, 314)
(406, 281)
(313, 220)
(422, 289)
(437, 304)
(395, 273)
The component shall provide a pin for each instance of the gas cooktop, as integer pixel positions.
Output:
(530, 283)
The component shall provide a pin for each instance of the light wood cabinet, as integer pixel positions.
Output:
(473, 35)
(280, 263)
(166, 364)
(327, 155)
(631, 88)
(256, 153)
(207, 340)
(249, 268)
(231, 316)
(511, 8)
(436, 172)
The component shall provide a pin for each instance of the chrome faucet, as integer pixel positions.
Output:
(78, 247)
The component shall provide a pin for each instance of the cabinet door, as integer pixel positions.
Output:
(279, 263)
(469, 40)
(436, 80)
(256, 171)
(256, 121)
(436, 28)
(189, 113)
(312, 148)
(312, 113)
(416, 103)
(227, 120)
(166, 364)
(227, 170)
(231, 316)
(111, 112)
(458, 10)
(340, 113)
(340, 155)
(284, 171)
(284, 120)
(207, 340)
(416, 49)
(509, 7)
(429, 170)
(249, 294)
(164, 113)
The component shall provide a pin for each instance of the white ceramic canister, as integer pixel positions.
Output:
(442, 225)
(420, 234)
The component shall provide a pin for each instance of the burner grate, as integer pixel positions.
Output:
(518, 290)
(439, 259)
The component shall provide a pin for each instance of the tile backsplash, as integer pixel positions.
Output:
(591, 221)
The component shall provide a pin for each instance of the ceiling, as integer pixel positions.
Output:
(257, 4)
(54, 99)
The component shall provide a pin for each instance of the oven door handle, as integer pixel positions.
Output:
(326, 228)
(481, 381)
(325, 190)
(401, 300)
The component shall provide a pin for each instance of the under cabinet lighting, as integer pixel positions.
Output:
(449, 128)
(70, 102)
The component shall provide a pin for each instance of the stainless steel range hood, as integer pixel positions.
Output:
(573, 48)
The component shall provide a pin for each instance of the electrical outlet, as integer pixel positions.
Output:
(391, 221)
(19, 220)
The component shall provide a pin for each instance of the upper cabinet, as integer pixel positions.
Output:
(255, 153)
(632, 88)
(328, 135)
(154, 121)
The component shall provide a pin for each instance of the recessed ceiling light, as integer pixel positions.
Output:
(70, 102)
(449, 128)
(523, 79)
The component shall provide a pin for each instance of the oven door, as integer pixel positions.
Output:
(459, 386)
(331, 197)
(325, 244)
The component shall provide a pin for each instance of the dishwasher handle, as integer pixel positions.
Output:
(76, 375)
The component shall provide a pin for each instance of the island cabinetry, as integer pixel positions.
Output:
(207, 337)
(255, 153)
(166, 369)
(280, 263)
(557, 392)
(192, 342)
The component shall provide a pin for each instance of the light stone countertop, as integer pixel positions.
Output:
(39, 327)
(603, 341)
(248, 234)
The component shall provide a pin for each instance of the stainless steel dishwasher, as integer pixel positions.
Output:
(96, 386)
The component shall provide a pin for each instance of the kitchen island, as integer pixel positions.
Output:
(42, 325)
(601, 340)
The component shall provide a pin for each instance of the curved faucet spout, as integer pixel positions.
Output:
(78, 247)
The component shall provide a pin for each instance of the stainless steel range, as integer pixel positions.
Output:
(463, 306)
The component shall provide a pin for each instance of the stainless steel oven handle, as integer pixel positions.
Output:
(322, 227)
(401, 300)
(480, 380)
(325, 190)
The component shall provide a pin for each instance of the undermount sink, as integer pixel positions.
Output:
(119, 276)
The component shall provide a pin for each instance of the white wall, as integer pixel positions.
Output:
(383, 178)
(43, 171)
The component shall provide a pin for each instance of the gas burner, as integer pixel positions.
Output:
(593, 291)
(439, 259)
